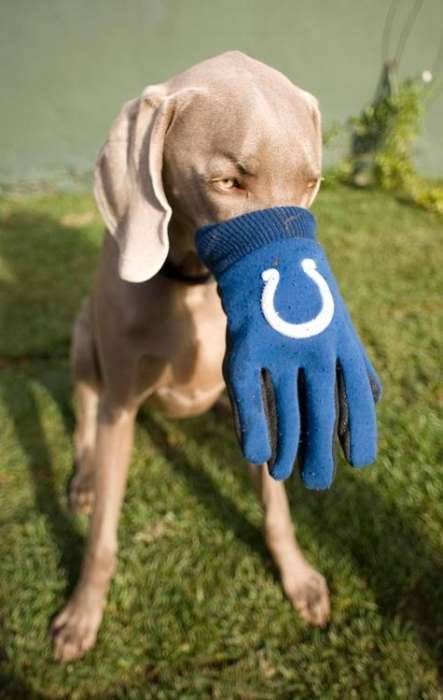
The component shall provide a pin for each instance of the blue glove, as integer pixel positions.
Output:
(296, 371)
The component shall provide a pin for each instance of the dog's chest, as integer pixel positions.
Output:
(181, 365)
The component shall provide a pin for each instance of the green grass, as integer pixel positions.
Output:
(196, 610)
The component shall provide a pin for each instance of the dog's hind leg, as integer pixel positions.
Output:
(305, 587)
(86, 378)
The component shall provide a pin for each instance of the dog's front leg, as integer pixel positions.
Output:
(305, 587)
(75, 628)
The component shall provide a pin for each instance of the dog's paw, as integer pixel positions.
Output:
(74, 630)
(310, 597)
(81, 492)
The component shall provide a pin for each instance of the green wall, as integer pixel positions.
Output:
(67, 65)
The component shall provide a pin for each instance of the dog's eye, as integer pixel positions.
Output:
(226, 183)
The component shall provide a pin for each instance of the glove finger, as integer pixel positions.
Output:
(374, 379)
(246, 394)
(288, 426)
(317, 449)
(357, 426)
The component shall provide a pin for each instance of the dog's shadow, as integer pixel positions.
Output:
(354, 520)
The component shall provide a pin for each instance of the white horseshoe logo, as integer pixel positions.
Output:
(317, 324)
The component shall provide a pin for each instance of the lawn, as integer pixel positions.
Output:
(196, 610)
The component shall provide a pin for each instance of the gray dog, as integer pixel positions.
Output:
(226, 137)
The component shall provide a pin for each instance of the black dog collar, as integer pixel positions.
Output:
(174, 272)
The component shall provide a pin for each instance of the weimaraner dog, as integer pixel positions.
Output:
(228, 136)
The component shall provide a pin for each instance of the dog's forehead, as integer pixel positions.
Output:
(247, 120)
(226, 102)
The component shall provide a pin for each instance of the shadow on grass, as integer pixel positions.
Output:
(13, 686)
(50, 263)
(221, 507)
(18, 395)
(400, 566)
(354, 520)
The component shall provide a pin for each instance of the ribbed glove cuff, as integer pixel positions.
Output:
(221, 245)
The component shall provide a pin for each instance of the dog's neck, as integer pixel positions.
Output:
(189, 271)
(183, 263)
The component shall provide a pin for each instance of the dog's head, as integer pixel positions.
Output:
(226, 137)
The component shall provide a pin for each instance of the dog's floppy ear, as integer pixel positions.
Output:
(128, 183)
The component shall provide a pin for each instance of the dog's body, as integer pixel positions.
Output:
(226, 137)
